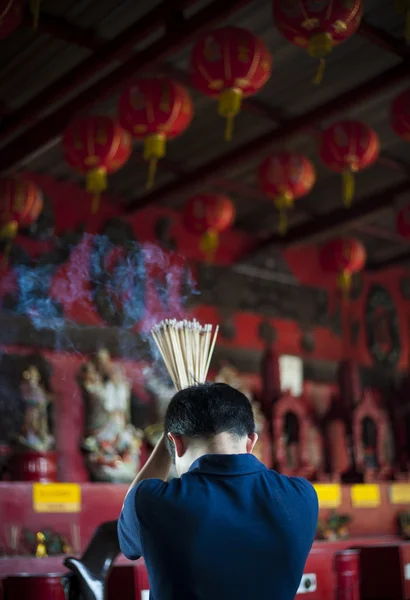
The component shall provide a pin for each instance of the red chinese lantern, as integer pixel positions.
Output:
(230, 64)
(403, 222)
(154, 110)
(11, 16)
(285, 177)
(208, 215)
(317, 25)
(348, 147)
(96, 146)
(21, 203)
(344, 257)
(400, 115)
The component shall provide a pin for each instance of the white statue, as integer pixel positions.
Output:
(111, 441)
(35, 434)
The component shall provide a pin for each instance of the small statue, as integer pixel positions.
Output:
(46, 543)
(41, 549)
(35, 433)
(111, 442)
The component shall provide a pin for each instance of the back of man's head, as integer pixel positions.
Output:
(204, 411)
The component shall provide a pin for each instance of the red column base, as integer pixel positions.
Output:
(347, 569)
(34, 587)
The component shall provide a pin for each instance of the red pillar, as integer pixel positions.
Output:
(349, 385)
(270, 380)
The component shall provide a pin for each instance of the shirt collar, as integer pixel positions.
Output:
(227, 464)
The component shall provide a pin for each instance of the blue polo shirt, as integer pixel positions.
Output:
(228, 529)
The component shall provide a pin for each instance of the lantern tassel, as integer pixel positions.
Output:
(318, 78)
(283, 203)
(229, 128)
(7, 233)
(344, 281)
(96, 183)
(154, 150)
(320, 45)
(152, 171)
(229, 107)
(209, 244)
(35, 11)
(348, 188)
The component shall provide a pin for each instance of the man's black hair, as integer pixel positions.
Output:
(203, 411)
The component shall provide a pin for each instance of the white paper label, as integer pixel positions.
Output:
(144, 594)
(291, 374)
(308, 584)
(407, 572)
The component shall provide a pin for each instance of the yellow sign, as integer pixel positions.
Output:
(365, 495)
(56, 498)
(400, 493)
(329, 494)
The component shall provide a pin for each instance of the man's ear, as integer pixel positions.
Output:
(178, 442)
(250, 442)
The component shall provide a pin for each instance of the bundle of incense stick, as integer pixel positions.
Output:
(187, 348)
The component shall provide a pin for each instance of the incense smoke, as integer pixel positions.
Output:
(130, 287)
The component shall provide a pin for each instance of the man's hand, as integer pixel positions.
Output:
(157, 466)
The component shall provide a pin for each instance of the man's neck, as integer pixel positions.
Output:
(222, 443)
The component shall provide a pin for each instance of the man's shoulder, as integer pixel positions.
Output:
(302, 491)
(295, 486)
(147, 488)
(150, 496)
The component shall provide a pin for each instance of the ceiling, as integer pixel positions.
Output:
(85, 52)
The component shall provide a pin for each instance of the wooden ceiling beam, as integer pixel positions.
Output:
(46, 131)
(278, 116)
(118, 48)
(110, 52)
(384, 40)
(399, 260)
(60, 29)
(329, 224)
(286, 131)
